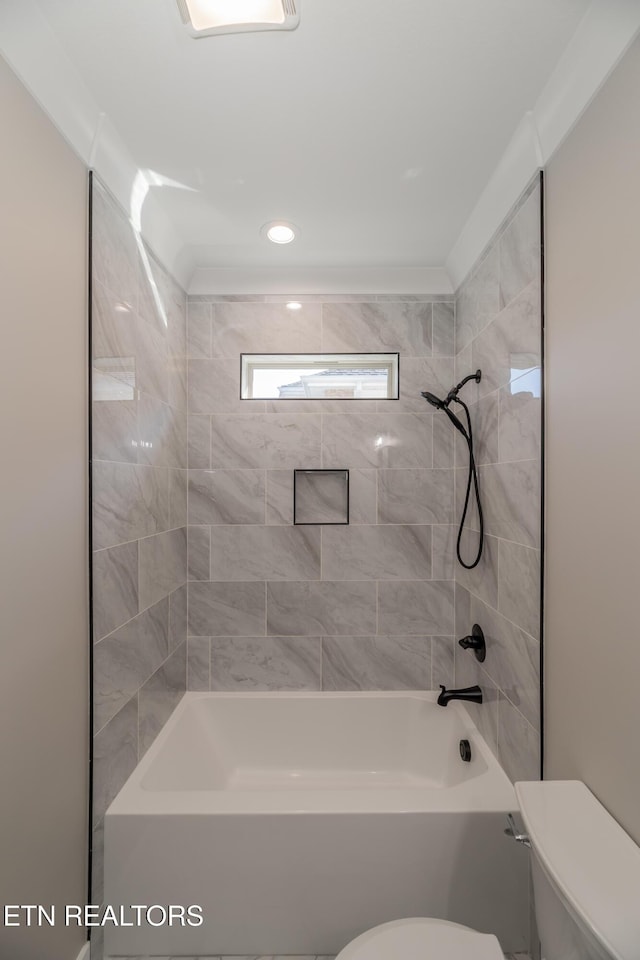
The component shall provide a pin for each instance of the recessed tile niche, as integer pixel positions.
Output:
(320, 497)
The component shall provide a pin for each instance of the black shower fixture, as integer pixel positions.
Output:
(467, 433)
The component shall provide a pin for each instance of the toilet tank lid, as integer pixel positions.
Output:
(589, 858)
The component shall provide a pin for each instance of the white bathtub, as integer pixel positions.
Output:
(297, 821)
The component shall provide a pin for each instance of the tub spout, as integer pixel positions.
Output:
(474, 694)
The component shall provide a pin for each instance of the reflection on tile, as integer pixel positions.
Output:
(226, 496)
(415, 496)
(376, 553)
(260, 553)
(443, 330)
(519, 586)
(274, 441)
(198, 657)
(162, 433)
(178, 617)
(115, 755)
(518, 744)
(419, 607)
(264, 328)
(224, 609)
(377, 327)
(163, 565)
(513, 660)
(160, 695)
(520, 433)
(321, 496)
(129, 501)
(199, 442)
(442, 662)
(511, 500)
(126, 658)
(115, 588)
(376, 663)
(378, 440)
(321, 608)
(265, 663)
(520, 249)
(198, 553)
(511, 343)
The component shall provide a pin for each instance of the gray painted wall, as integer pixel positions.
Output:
(44, 606)
(592, 652)
(499, 330)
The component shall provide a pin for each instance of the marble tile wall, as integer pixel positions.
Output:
(499, 330)
(139, 503)
(273, 606)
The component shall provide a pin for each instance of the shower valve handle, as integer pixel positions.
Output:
(475, 642)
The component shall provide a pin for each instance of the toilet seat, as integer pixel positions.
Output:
(422, 938)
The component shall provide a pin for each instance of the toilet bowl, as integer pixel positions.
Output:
(421, 938)
(586, 878)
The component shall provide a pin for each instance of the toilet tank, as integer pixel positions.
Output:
(586, 874)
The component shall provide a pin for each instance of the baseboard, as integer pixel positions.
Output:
(84, 952)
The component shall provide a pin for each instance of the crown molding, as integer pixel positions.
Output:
(605, 33)
(314, 280)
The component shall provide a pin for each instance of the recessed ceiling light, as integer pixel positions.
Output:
(207, 17)
(294, 305)
(279, 231)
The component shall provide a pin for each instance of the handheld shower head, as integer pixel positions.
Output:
(433, 400)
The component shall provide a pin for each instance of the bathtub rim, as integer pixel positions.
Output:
(489, 792)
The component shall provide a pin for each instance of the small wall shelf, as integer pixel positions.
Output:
(320, 497)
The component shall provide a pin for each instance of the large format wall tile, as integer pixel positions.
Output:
(130, 501)
(160, 695)
(376, 663)
(380, 552)
(223, 609)
(115, 755)
(227, 496)
(499, 329)
(139, 495)
(264, 328)
(275, 441)
(415, 496)
(377, 440)
(377, 328)
(125, 659)
(321, 608)
(262, 553)
(266, 663)
(415, 607)
(115, 587)
(163, 565)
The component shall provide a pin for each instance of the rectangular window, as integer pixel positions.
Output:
(319, 376)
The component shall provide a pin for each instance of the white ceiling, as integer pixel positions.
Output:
(374, 127)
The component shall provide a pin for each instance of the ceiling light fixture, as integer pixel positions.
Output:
(205, 18)
(279, 231)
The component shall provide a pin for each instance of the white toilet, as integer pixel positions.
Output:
(586, 880)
